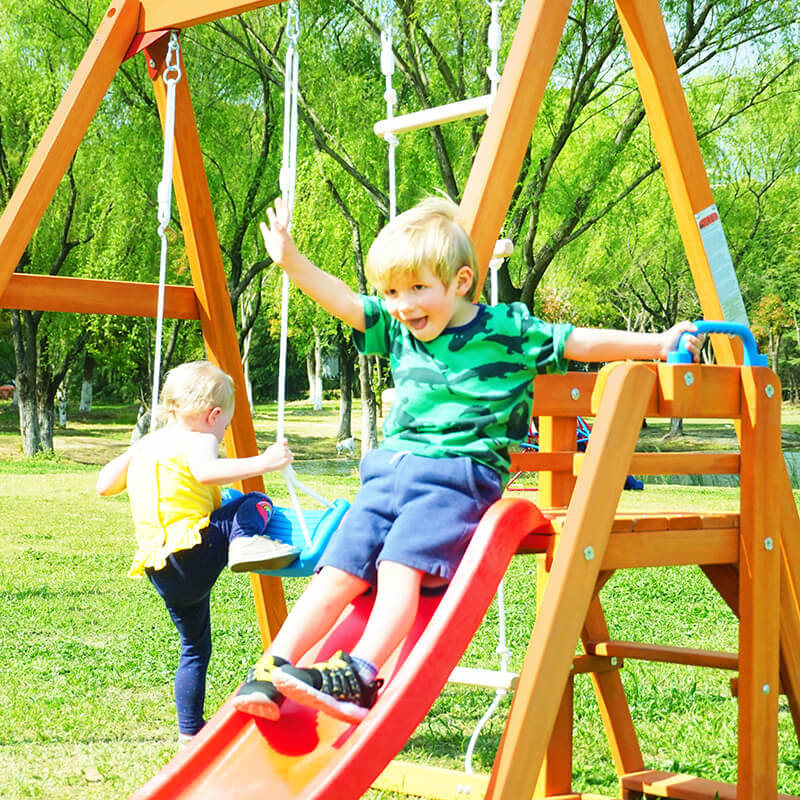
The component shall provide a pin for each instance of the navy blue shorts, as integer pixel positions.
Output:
(413, 510)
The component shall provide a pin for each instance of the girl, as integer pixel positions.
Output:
(184, 535)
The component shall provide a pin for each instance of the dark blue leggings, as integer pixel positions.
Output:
(185, 584)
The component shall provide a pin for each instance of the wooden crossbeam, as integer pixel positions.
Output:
(156, 15)
(695, 463)
(666, 654)
(91, 296)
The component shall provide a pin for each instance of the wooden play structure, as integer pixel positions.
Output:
(752, 557)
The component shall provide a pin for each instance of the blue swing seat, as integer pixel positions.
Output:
(285, 526)
(321, 523)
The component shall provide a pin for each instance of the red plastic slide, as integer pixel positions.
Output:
(306, 754)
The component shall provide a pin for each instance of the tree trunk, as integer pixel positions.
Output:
(87, 385)
(314, 372)
(47, 417)
(310, 376)
(369, 416)
(675, 427)
(345, 388)
(61, 396)
(317, 372)
(23, 328)
(248, 384)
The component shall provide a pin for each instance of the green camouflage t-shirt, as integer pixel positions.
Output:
(469, 391)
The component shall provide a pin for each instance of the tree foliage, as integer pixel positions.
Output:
(594, 235)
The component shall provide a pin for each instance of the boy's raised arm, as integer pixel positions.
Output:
(600, 344)
(333, 294)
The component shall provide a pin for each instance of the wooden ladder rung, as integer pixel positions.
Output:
(484, 678)
(641, 522)
(668, 654)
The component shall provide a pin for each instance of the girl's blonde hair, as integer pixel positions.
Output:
(426, 236)
(195, 387)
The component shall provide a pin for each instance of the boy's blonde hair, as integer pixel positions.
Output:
(195, 387)
(426, 236)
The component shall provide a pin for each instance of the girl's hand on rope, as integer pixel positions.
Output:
(277, 456)
(277, 239)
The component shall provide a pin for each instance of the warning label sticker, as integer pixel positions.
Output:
(719, 260)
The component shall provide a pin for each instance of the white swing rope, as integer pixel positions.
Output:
(171, 76)
(494, 40)
(288, 180)
(388, 129)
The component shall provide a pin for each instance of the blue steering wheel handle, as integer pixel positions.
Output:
(752, 358)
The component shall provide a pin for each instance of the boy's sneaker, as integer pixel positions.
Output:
(332, 686)
(247, 553)
(258, 695)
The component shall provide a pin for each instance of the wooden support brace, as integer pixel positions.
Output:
(571, 583)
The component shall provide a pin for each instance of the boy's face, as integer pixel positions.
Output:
(426, 306)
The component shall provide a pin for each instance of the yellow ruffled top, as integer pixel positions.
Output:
(169, 507)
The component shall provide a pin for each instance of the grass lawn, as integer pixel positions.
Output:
(88, 655)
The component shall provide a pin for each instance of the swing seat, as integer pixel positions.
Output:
(321, 523)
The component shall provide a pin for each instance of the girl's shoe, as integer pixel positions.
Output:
(248, 553)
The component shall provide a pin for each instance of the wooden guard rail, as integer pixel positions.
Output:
(587, 539)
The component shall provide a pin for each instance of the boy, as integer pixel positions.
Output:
(463, 377)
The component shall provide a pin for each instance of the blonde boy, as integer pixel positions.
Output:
(463, 377)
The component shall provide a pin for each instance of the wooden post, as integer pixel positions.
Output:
(759, 585)
(677, 147)
(213, 300)
(508, 132)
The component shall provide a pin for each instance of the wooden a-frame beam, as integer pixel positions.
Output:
(67, 128)
(156, 15)
(495, 170)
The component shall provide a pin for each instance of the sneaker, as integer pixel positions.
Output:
(333, 687)
(248, 553)
(258, 695)
(184, 739)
